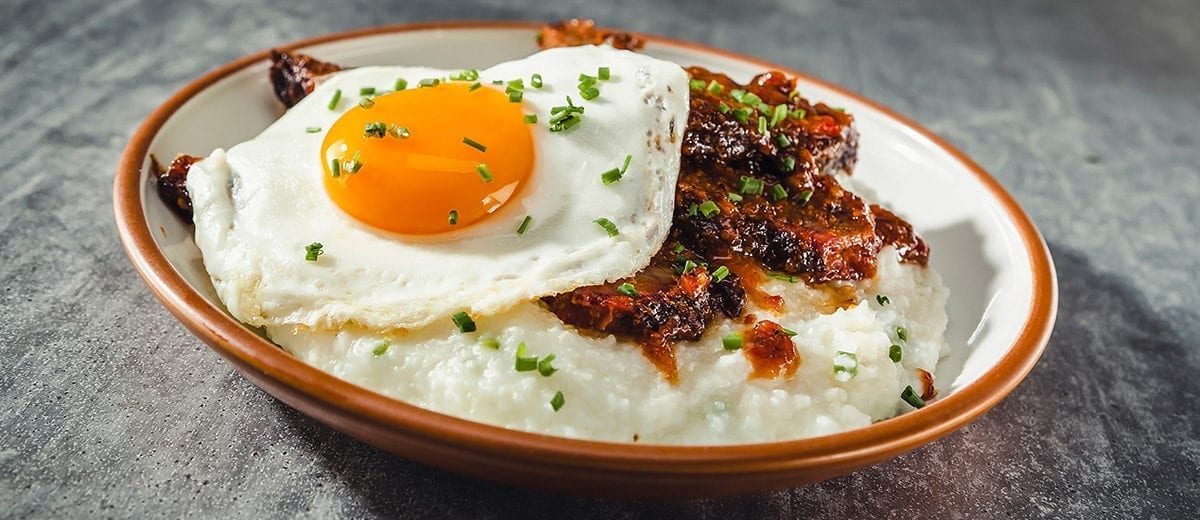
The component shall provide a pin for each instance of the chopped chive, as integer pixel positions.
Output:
(732, 342)
(627, 289)
(723, 108)
(429, 82)
(531, 118)
(783, 276)
(337, 96)
(902, 333)
(589, 93)
(536, 80)
(586, 81)
(790, 333)
(789, 164)
(737, 94)
(896, 352)
(910, 396)
(764, 109)
(399, 132)
(558, 401)
(625, 165)
(474, 86)
(465, 75)
(381, 348)
(611, 176)
(463, 321)
(313, 129)
(453, 218)
(780, 113)
(366, 91)
(733, 197)
(516, 84)
(709, 208)
(497, 82)
(696, 84)
(608, 226)
(845, 366)
(742, 115)
(525, 363)
(545, 368)
(564, 117)
(798, 113)
(312, 251)
(524, 225)
(805, 196)
(335, 168)
(750, 185)
(354, 165)
(714, 87)
(762, 125)
(514, 96)
(485, 173)
(751, 99)
(603, 73)
(677, 249)
(720, 273)
(840, 109)
(883, 300)
(783, 141)
(489, 342)
(693, 210)
(376, 129)
(688, 266)
(778, 192)
(474, 144)
(401, 84)
(366, 102)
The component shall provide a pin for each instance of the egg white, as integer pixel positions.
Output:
(259, 204)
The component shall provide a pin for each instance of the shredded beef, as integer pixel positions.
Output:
(172, 184)
(295, 75)
(575, 32)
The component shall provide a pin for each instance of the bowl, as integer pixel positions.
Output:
(991, 256)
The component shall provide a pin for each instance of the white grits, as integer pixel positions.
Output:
(613, 393)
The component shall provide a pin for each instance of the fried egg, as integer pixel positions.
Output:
(391, 197)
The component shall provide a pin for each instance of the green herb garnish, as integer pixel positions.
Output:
(312, 251)
(910, 396)
(732, 342)
(463, 321)
(608, 225)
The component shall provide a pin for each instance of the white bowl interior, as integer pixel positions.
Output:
(975, 246)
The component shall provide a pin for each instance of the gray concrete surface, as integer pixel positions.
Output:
(1089, 112)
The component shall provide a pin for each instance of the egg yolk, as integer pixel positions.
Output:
(428, 160)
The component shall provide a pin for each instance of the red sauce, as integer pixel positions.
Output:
(770, 351)
(927, 390)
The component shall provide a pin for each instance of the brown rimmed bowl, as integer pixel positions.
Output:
(1001, 277)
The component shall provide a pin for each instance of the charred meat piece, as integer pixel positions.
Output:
(295, 75)
(756, 191)
(723, 128)
(897, 232)
(673, 299)
(172, 184)
(575, 32)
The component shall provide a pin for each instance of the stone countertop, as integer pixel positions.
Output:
(1086, 111)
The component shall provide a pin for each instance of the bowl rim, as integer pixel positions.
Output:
(886, 438)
